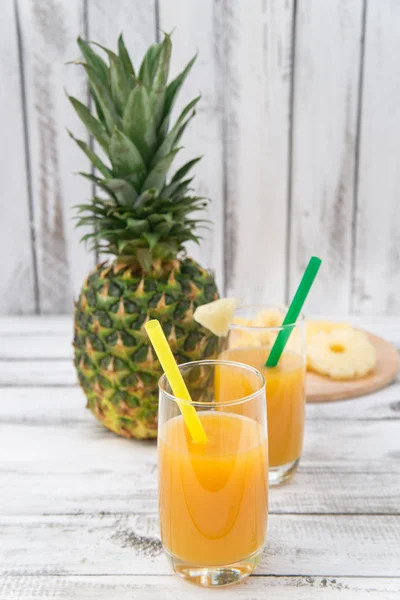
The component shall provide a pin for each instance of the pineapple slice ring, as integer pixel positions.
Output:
(217, 315)
(314, 326)
(341, 354)
(268, 317)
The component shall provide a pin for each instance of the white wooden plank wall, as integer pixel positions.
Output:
(17, 287)
(135, 19)
(256, 53)
(377, 235)
(49, 30)
(298, 126)
(327, 65)
(196, 29)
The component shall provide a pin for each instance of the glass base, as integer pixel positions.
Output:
(215, 576)
(278, 475)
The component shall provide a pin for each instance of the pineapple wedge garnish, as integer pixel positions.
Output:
(217, 315)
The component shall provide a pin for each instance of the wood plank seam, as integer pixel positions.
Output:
(224, 18)
(27, 159)
(157, 21)
(290, 152)
(357, 154)
(90, 106)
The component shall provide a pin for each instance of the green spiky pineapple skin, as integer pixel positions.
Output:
(116, 366)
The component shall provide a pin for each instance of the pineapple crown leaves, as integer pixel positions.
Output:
(137, 215)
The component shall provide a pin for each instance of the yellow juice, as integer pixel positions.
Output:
(213, 498)
(285, 400)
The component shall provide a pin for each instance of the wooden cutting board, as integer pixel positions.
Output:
(323, 389)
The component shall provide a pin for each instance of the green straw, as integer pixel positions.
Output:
(294, 310)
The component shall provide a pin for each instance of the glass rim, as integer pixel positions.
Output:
(299, 321)
(215, 362)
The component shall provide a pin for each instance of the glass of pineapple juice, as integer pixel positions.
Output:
(250, 342)
(213, 497)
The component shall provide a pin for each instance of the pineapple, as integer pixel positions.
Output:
(217, 316)
(258, 333)
(341, 354)
(268, 317)
(315, 326)
(142, 216)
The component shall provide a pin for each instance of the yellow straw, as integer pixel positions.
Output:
(175, 379)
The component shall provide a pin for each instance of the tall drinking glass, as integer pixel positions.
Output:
(250, 342)
(213, 497)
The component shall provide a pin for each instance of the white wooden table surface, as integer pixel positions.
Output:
(78, 505)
